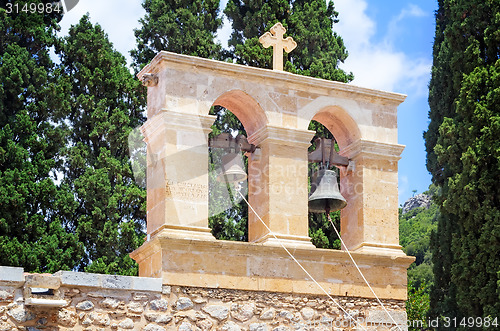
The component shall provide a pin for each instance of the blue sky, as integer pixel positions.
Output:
(390, 48)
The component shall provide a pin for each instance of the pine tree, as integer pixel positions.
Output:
(32, 232)
(463, 157)
(106, 104)
(180, 26)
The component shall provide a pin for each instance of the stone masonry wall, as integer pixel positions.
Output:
(81, 301)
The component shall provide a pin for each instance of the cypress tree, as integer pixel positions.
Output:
(106, 104)
(250, 20)
(319, 49)
(464, 158)
(180, 26)
(33, 233)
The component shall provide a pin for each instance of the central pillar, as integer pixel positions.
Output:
(278, 187)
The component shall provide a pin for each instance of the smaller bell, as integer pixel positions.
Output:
(325, 194)
(232, 169)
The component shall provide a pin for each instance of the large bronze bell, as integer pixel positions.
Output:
(325, 194)
(232, 169)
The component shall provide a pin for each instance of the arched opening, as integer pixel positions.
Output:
(320, 230)
(236, 114)
(335, 124)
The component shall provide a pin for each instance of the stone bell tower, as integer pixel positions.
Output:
(275, 107)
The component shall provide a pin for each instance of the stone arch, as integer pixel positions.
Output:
(245, 108)
(340, 124)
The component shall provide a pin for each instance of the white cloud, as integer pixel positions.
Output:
(117, 18)
(379, 65)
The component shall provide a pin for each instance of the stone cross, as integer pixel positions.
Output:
(275, 39)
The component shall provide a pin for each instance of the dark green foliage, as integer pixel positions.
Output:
(180, 26)
(417, 306)
(415, 228)
(250, 19)
(32, 233)
(319, 50)
(106, 104)
(464, 158)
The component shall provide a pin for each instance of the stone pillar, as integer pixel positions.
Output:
(177, 174)
(370, 222)
(278, 186)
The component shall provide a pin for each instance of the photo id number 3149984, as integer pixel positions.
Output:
(32, 7)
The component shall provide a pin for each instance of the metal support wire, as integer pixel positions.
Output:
(298, 263)
(371, 289)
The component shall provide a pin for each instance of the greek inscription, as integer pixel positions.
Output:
(186, 190)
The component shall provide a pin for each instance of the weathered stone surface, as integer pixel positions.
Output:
(307, 313)
(244, 312)
(5, 326)
(184, 303)
(126, 324)
(101, 319)
(66, 317)
(85, 305)
(281, 328)
(166, 289)
(381, 317)
(204, 324)
(161, 305)
(116, 282)
(230, 326)
(258, 327)
(110, 303)
(199, 300)
(218, 312)
(140, 297)
(286, 315)
(186, 326)
(11, 274)
(153, 327)
(158, 318)
(21, 315)
(4, 295)
(138, 307)
(268, 314)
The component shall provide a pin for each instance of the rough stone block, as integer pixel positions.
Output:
(218, 312)
(78, 278)
(116, 282)
(147, 284)
(381, 317)
(21, 315)
(11, 274)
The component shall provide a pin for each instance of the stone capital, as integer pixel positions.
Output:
(172, 120)
(283, 136)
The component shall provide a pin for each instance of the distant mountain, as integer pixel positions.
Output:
(419, 200)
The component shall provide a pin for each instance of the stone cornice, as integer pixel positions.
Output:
(373, 149)
(269, 77)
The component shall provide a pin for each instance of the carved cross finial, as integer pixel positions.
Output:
(275, 39)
